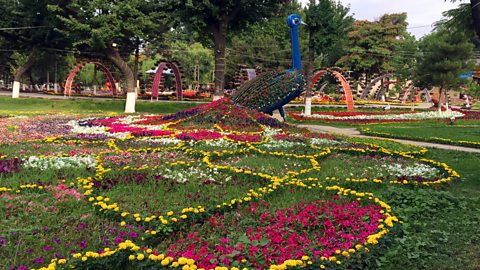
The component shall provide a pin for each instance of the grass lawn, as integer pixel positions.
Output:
(438, 226)
(441, 226)
(77, 106)
(461, 130)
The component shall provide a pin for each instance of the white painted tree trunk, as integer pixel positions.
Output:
(130, 104)
(308, 106)
(215, 98)
(16, 89)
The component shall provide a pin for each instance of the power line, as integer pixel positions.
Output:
(23, 27)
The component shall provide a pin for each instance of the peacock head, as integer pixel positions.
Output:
(294, 20)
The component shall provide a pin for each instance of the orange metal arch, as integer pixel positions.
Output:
(79, 67)
(343, 81)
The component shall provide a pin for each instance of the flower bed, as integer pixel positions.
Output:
(376, 117)
(161, 194)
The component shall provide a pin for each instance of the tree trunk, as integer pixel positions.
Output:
(220, 40)
(135, 65)
(20, 71)
(440, 99)
(309, 74)
(475, 4)
(94, 80)
(117, 60)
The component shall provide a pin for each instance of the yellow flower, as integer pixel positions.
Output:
(131, 257)
(165, 262)
(182, 260)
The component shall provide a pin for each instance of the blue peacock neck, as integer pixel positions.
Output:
(296, 58)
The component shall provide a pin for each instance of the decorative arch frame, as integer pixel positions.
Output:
(346, 87)
(159, 74)
(79, 66)
(370, 85)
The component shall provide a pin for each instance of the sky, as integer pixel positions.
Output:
(422, 14)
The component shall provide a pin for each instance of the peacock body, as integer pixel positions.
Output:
(272, 90)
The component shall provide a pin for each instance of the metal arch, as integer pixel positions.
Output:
(158, 76)
(79, 67)
(370, 85)
(343, 81)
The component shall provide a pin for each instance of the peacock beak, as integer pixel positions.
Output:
(301, 22)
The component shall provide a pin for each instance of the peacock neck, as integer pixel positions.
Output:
(296, 58)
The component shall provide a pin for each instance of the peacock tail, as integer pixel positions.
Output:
(270, 91)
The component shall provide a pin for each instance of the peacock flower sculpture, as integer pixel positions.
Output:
(272, 90)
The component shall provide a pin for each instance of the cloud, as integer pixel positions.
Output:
(422, 14)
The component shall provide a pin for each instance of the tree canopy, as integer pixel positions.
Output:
(372, 45)
(443, 57)
(113, 29)
(215, 19)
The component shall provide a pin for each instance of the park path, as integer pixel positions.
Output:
(353, 132)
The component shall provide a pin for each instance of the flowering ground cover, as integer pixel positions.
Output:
(376, 117)
(195, 190)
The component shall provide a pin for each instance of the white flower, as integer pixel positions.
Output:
(58, 163)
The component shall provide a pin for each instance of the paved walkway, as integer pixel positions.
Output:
(353, 132)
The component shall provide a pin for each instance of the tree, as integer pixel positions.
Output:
(265, 44)
(193, 58)
(443, 57)
(328, 23)
(216, 18)
(372, 45)
(460, 19)
(113, 29)
(28, 31)
(469, 13)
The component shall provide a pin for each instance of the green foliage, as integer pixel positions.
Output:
(265, 43)
(95, 25)
(373, 45)
(192, 55)
(443, 57)
(215, 19)
(328, 24)
(203, 15)
(459, 20)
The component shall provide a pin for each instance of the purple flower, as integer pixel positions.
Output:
(132, 235)
(118, 240)
(47, 248)
(58, 255)
(82, 244)
(57, 240)
(122, 234)
(38, 260)
(3, 241)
